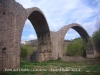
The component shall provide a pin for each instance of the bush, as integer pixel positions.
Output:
(77, 48)
(26, 51)
(96, 38)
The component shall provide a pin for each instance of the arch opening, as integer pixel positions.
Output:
(81, 31)
(73, 45)
(28, 41)
(38, 21)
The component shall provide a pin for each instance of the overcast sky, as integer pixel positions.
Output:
(63, 12)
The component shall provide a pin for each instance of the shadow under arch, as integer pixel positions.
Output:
(38, 20)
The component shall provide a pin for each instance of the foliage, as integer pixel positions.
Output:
(96, 38)
(64, 50)
(26, 50)
(96, 34)
(24, 53)
(77, 48)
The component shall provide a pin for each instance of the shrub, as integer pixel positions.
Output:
(26, 51)
(77, 48)
(96, 38)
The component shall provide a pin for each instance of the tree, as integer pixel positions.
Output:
(77, 48)
(96, 34)
(24, 53)
(96, 38)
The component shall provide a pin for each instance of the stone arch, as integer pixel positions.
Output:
(38, 20)
(78, 28)
(82, 32)
(57, 39)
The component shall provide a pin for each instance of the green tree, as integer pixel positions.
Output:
(24, 53)
(96, 38)
(96, 34)
(77, 48)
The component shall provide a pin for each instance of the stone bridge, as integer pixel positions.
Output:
(12, 19)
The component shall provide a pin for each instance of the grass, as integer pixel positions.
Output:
(52, 67)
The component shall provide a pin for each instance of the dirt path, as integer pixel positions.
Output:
(75, 59)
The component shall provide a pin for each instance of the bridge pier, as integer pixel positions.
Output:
(90, 53)
(11, 19)
(56, 45)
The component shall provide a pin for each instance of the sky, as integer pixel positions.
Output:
(63, 12)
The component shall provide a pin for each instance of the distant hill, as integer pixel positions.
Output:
(67, 41)
(34, 42)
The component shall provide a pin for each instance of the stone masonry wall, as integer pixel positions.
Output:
(11, 24)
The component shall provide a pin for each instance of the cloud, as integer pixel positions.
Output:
(28, 26)
(83, 14)
(54, 11)
(71, 34)
(90, 27)
(26, 3)
(31, 37)
(24, 37)
(98, 3)
(28, 23)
